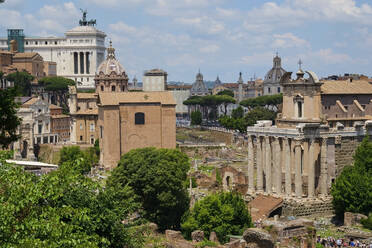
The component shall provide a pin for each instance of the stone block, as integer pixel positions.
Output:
(213, 237)
(173, 235)
(233, 244)
(197, 236)
(259, 237)
(351, 219)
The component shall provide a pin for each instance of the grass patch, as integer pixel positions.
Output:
(206, 243)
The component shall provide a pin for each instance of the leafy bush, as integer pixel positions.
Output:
(223, 213)
(22, 82)
(351, 190)
(226, 93)
(63, 209)
(74, 158)
(196, 118)
(158, 177)
(367, 223)
(9, 121)
(206, 243)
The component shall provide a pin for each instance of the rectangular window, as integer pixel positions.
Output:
(299, 106)
(278, 89)
(92, 127)
(81, 138)
(45, 140)
(81, 126)
(51, 139)
(101, 132)
(40, 128)
(139, 118)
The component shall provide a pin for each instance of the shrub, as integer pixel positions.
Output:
(196, 118)
(158, 177)
(223, 213)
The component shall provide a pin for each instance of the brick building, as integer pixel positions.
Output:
(130, 120)
(60, 123)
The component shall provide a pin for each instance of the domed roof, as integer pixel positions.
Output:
(273, 76)
(111, 64)
(198, 87)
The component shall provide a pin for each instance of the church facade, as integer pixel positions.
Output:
(302, 154)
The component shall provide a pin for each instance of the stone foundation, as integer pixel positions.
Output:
(306, 208)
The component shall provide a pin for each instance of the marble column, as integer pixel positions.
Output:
(323, 168)
(311, 170)
(298, 177)
(250, 165)
(259, 165)
(288, 176)
(278, 166)
(268, 165)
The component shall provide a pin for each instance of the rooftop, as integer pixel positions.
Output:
(346, 87)
(109, 99)
(86, 95)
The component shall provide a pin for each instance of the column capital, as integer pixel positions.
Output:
(297, 142)
(324, 140)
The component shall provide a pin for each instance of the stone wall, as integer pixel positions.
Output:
(344, 151)
(314, 208)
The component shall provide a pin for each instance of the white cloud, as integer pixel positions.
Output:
(288, 40)
(227, 12)
(255, 59)
(293, 13)
(212, 48)
(328, 56)
(113, 3)
(50, 19)
(202, 24)
(122, 27)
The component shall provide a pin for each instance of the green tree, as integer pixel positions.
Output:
(223, 213)
(226, 93)
(196, 118)
(63, 209)
(74, 158)
(22, 82)
(272, 101)
(237, 113)
(158, 177)
(58, 87)
(9, 120)
(257, 114)
(352, 189)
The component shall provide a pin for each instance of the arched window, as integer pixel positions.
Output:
(113, 88)
(139, 118)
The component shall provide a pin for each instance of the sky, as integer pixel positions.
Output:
(219, 37)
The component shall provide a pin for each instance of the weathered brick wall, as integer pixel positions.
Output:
(344, 152)
(307, 209)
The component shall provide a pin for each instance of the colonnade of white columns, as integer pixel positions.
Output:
(82, 62)
(273, 162)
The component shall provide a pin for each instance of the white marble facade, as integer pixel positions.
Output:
(77, 55)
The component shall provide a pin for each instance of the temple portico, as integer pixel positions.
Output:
(294, 163)
(287, 162)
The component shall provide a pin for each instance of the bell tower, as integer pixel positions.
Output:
(301, 99)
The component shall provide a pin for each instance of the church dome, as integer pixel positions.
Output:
(111, 64)
(274, 75)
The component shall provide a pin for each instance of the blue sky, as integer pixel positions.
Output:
(221, 37)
